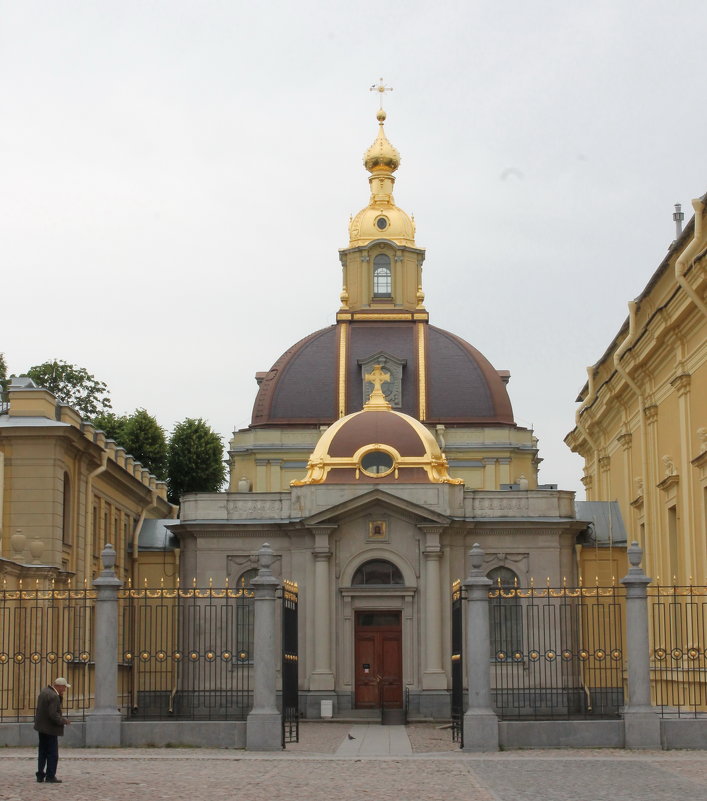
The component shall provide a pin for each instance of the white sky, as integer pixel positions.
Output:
(177, 177)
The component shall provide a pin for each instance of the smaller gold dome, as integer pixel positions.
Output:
(382, 221)
(381, 155)
(377, 445)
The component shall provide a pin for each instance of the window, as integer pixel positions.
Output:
(378, 572)
(377, 463)
(506, 621)
(66, 512)
(382, 284)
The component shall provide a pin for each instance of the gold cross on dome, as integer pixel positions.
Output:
(381, 88)
(377, 377)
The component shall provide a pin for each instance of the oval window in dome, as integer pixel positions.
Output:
(382, 223)
(377, 463)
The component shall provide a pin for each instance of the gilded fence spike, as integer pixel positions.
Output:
(581, 581)
(211, 582)
(226, 582)
(596, 581)
(547, 581)
(675, 581)
(613, 581)
(177, 582)
(564, 581)
(162, 582)
(193, 582)
(532, 582)
(130, 582)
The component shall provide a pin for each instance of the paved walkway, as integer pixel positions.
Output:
(328, 766)
(375, 740)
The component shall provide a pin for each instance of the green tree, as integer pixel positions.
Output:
(112, 424)
(3, 377)
(195, 459)
(72, 385)
(145, 439)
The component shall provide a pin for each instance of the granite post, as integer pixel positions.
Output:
(641, 722)
(480, 721)
(264, 723)
(103, 721)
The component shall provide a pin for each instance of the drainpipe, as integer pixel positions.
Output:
(618, 355)
(89, 514)
(591, 395)
(687, 256)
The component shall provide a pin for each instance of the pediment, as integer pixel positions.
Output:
(378, 498)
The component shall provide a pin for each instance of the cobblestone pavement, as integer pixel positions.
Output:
(311, 771)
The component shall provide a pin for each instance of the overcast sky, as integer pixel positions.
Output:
(176, 179)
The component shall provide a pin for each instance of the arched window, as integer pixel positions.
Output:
(378, 572)
(66, 511)
(382, 283)
(506, 615)
(245, 617)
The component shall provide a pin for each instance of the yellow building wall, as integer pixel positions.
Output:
(642, 424)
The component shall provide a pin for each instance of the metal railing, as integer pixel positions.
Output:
(186, 653)
(678, 629)
(45, 633)
(557, 653)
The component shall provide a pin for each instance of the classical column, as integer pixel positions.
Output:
(434, 676)
(480, 721)
(322, 676)
(263, 726)
(641, 723)
(103, 721)
(489, 473)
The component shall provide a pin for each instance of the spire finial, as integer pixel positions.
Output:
(381, 88)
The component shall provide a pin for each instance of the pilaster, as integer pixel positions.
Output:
(434, 676)
(322, 676)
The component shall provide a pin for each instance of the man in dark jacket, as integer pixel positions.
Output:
(49, 722)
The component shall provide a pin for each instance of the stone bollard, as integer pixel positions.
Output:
(264, 723)
(641, 723)
(480, 721)
(103, 721)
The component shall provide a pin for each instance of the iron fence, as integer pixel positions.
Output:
(186, 653)
(678, 628)
(290, 663)
(45, 633)
(457, 696)
(557, 653)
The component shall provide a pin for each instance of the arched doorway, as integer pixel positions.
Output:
(378, 642)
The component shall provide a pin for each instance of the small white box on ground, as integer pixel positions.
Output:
(327, 709)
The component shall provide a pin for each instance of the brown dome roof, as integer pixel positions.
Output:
(461, 385)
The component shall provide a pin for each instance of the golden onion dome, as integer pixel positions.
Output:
(381, 155)
(381, 219)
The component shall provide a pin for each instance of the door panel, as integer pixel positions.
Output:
(379, 664)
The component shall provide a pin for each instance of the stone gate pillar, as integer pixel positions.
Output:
(103, 721)
(264, 723)
(480, 721)
(641, 723)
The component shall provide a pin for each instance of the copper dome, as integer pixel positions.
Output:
(303, 387)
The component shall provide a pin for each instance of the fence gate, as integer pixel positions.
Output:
(457, 664)
(290, 664)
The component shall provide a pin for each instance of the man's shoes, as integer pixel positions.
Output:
(40, 777)
(52, 780)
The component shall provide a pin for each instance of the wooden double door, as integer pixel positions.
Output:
(379, 660)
